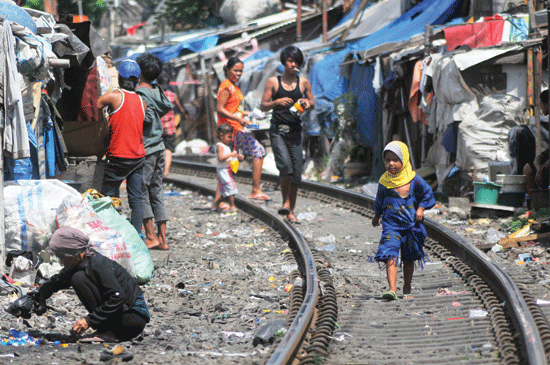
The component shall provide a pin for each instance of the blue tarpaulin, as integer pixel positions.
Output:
(169, 52)
(411, 23)
(367, 101)
(261, 54)
(325, 85)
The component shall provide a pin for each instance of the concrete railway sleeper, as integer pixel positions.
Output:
(521, 331)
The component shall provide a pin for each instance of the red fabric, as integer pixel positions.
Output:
(488, 33)
(132, 29)
(168, 124)
(127, 128)
(88, 111)
(414, 98)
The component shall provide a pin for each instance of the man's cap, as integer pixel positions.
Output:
(129, 68)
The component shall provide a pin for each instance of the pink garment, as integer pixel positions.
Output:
(488, 33)
(414, 98)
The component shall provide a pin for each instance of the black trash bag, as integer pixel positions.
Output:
(26, 305)
(29, 255)
(266, 333)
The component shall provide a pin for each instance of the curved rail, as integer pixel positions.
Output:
(300, 325)
(290, 344)
(516, 306)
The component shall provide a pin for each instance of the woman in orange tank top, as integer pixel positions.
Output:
(230, 111)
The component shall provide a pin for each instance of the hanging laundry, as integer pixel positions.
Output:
(485, 34)
(414, 98)
(16, 140)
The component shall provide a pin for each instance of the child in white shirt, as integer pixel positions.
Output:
(226, 185)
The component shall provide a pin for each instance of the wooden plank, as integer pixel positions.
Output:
(515, 241)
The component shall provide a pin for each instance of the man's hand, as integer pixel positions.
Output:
(305, 103)
(376, 221)
(80, 326)
(286, 101)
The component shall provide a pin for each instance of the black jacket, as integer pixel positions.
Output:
(118, 289)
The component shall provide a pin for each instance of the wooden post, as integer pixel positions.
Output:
(207, 91)
(428, 32)
(50, 7)
(530, 84)
(324, 17)
(299, 21)
(404, 112)
(537, 71)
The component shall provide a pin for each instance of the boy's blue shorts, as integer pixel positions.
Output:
(409, 241)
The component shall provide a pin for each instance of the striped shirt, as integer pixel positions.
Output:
(167, 121)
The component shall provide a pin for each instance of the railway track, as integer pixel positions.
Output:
(466, 309)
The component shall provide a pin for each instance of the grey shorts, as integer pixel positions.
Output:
(287, 150)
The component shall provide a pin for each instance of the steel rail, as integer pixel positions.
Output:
(516, 307)
(291, 342)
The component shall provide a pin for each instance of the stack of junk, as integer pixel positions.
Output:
(50, 79)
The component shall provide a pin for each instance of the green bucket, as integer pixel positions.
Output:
(486, 192)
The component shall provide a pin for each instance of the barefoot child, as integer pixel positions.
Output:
(400, 202)
(226, 184)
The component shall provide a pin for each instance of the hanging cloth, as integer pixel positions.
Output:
(16, 139)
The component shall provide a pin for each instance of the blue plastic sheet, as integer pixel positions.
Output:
(449, 139)
(413, 22)
(262, 53)
(367, 103)
(325, 84)
(16, 14)
(167, 53)
(320, 119)
(26, 168)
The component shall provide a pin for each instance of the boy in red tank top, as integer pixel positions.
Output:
(125, 154)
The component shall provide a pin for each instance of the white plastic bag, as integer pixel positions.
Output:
(36, 201)
(105, 240)
(242, 12)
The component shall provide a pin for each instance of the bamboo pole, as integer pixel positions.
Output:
(348, 29)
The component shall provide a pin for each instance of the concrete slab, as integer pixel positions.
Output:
(462, 203)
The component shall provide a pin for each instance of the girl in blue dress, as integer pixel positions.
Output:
(400, 202)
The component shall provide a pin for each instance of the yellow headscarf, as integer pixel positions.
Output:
(406, 174)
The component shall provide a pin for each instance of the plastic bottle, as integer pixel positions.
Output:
(297, 109)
